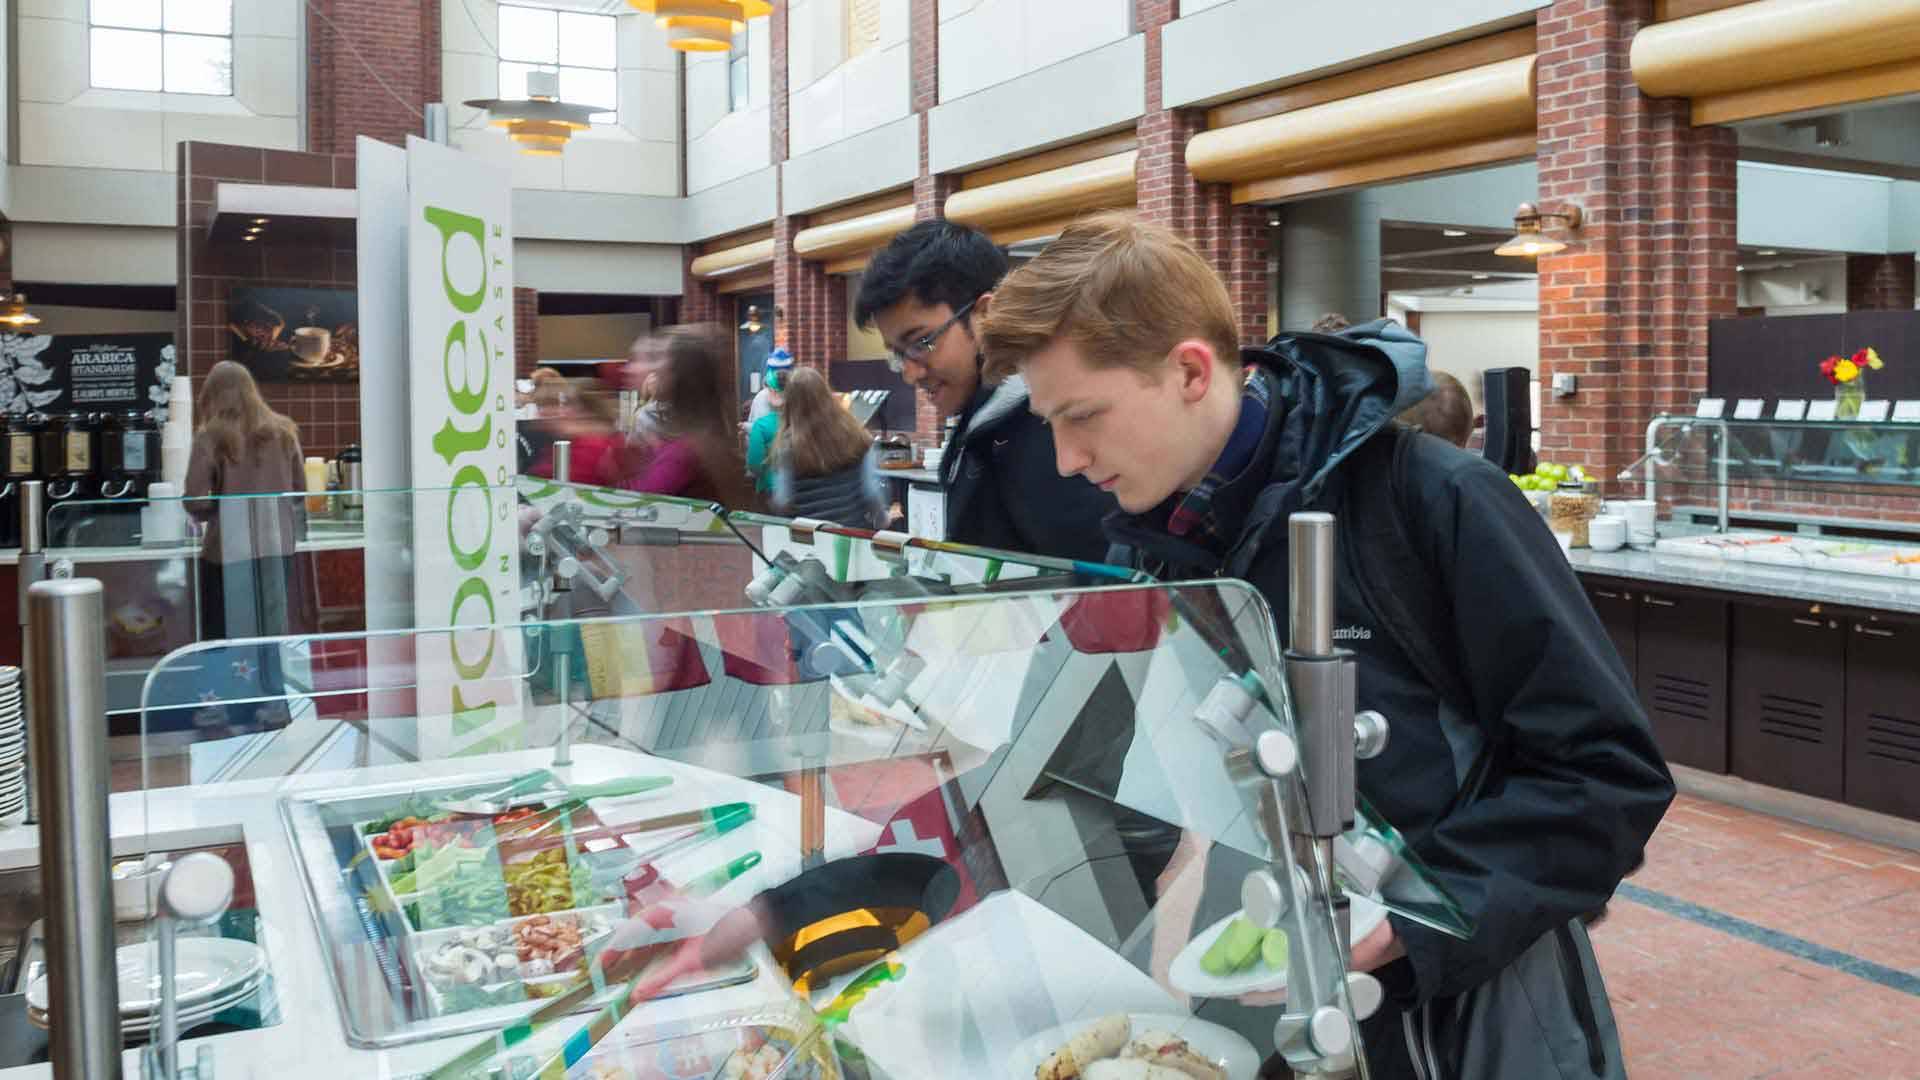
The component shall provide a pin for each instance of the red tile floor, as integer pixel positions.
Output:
(1751, 946)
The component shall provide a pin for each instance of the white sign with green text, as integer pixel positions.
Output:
(460, 343)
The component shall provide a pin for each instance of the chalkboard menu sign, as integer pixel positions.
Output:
(59, 373)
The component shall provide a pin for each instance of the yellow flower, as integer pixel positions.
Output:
(1873, 359)
(1846, 371)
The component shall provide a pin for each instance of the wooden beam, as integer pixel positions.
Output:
(1470, 155)
(851, 265)
(1057, 193)
(1034, 230)
(853, 236)
(1809, 95)
(745, 283)
(1446, 60)
(1665, 10)
(1430, 115)
(1749, 47)
(737, 239)
(733, 260)
(892, 200)
(1105, 146)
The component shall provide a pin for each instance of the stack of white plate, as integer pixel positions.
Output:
(13, 749)
(211, 975)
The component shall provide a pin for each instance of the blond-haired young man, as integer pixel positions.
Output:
(1521, 766)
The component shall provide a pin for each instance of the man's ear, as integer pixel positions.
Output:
(1193, 368)
(979, 311)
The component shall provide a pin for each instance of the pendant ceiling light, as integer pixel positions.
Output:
(703, 25)
(15, 313)
(542, 124)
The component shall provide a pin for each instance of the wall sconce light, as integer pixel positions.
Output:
(751, 324)
(1530, 226)
(14, 313)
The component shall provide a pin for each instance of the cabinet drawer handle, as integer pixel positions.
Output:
(1657, 602)
(1605, 595)
(1815, 623)
(1872, 631)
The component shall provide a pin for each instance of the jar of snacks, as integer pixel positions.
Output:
(1571, 508)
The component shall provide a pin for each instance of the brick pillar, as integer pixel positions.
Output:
(378, 81)
(929, 191)
(1233, 238)
(526, 331)
(1625, 308)
(1880, 282)
(700, 301)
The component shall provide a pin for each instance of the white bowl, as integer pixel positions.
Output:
(1607, 533)
(136, 888)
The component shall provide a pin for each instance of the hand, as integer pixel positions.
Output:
(1378, 949)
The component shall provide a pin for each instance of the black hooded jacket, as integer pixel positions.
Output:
(1004, 489)
(1575, 784)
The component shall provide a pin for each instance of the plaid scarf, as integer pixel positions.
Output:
(1194, 514)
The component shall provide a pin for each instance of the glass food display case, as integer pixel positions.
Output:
(871, 807)
(1784, 492)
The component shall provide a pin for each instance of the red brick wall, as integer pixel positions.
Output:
(1233, 238)
(377, 82)
(700, 301)
(1880, 282)
(1625, 308)
(295, 257)
(526, 331)
(929, 191)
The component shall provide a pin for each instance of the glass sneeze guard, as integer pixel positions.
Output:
(908, 831)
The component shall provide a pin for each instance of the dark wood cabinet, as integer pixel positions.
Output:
(1789, 686)
(1883, 716)
(1620, 615)
(1680, 665)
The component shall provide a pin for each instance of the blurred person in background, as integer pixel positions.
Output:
(1446, 411)
(645, 357)
(583, 416)
(824, 463)
(779, 362)
(761, 431)
(248, 584)
(691, 448)
(532, 429)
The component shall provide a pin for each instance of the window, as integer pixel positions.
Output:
(583, 49)
(164, 46)
(863, 26)
(739, 76)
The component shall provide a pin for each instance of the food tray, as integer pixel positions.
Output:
(776, 1043)
(448, 994)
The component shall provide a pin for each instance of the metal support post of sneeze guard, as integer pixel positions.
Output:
(561, 628)
(33, 567)
(67, 710)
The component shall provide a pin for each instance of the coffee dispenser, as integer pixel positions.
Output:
(19, 440)
(70, 457)
(129, 455)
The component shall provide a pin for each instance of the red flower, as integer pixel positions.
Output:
(1860, 358)
(1827, 366)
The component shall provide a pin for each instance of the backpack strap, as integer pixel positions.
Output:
(1398, 579)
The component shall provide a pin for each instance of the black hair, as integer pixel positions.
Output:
(935, 262)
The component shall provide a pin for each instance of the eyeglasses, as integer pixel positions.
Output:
(918, 349)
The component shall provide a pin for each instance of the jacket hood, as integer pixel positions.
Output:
(992, 405)
(1338, 391)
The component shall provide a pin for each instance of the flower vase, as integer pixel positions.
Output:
(1848, 396)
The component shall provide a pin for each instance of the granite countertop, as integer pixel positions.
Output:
(1815, 586)
(916, 476)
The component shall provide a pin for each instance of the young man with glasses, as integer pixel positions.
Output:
(926, 293)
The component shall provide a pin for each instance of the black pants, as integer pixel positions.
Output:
(246, 599)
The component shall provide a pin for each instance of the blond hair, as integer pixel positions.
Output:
(818, 436)
(1125, 291)
(237, 420)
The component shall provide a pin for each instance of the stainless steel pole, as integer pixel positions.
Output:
(67, 638)
(1310, 593)
(33, 567)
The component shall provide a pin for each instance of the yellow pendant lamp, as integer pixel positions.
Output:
(14, 313)
(703, 25)
(542, 124)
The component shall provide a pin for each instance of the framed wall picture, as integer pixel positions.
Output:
(296, 335)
